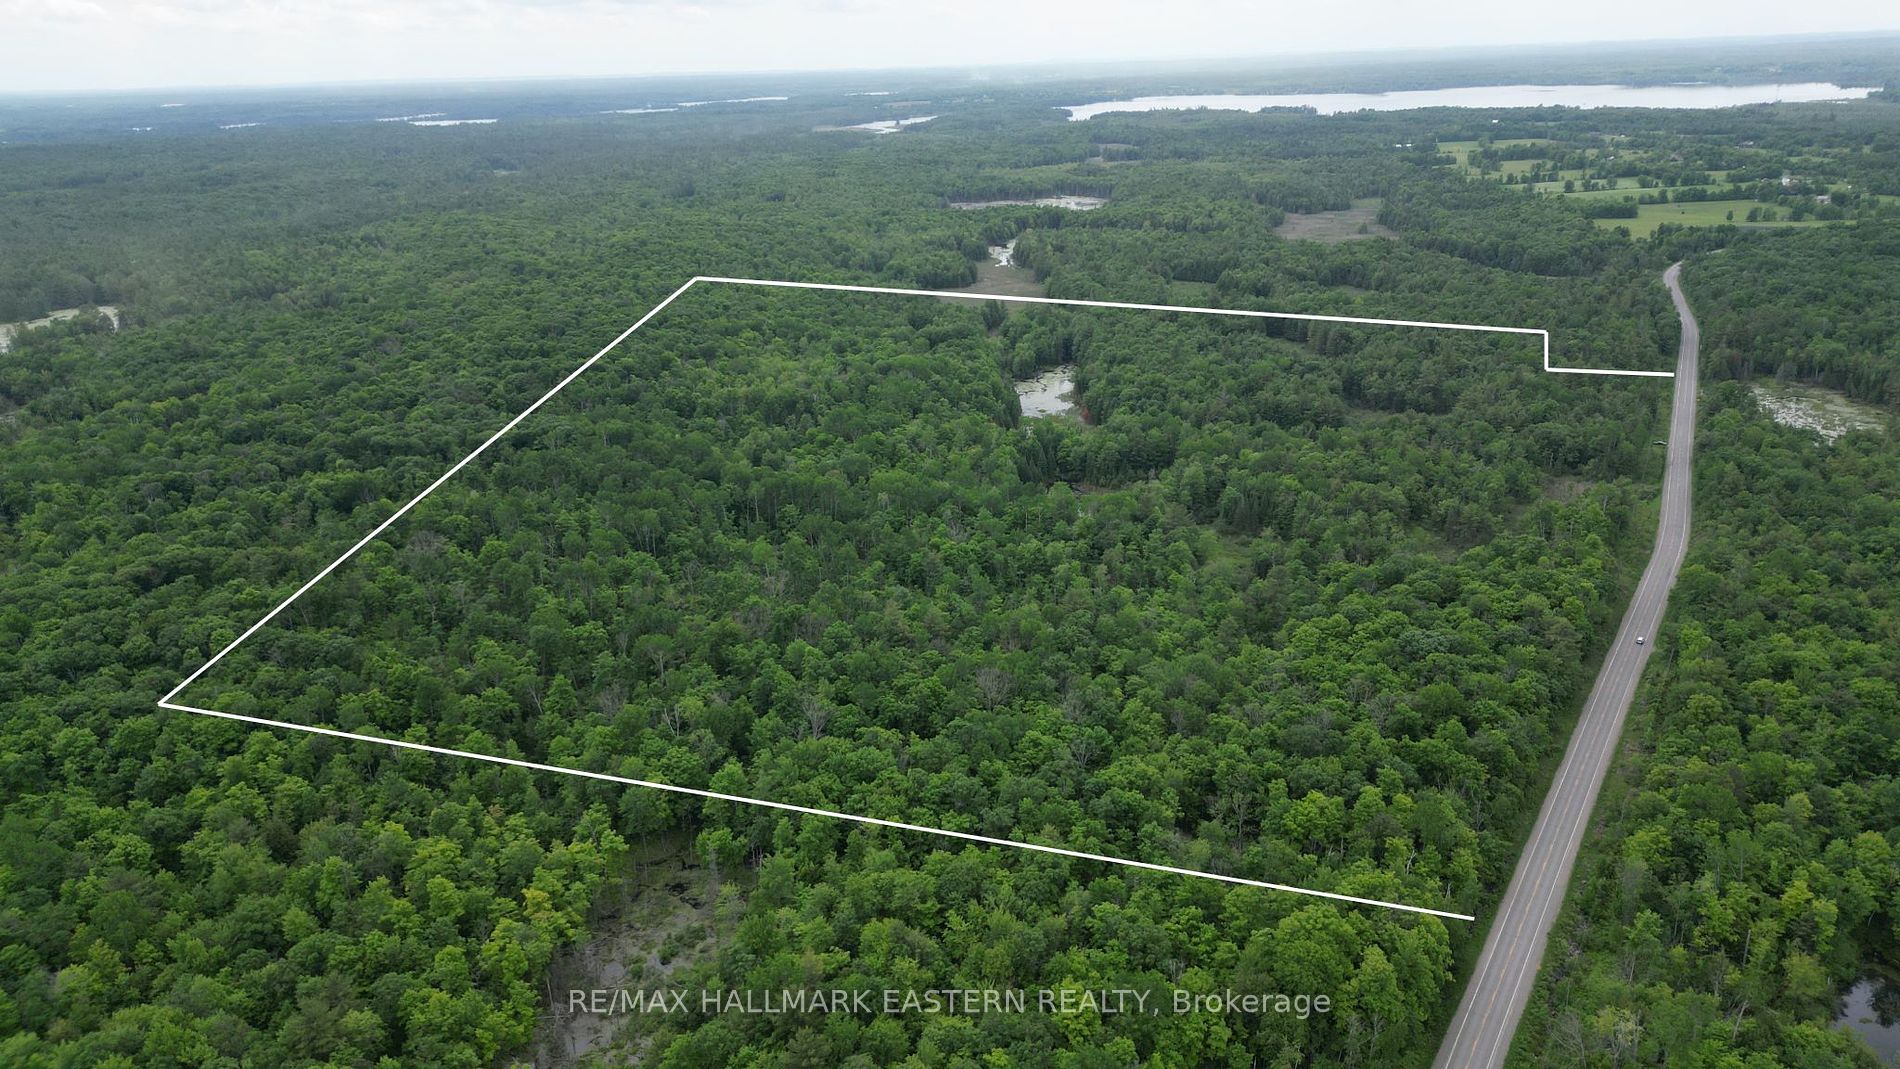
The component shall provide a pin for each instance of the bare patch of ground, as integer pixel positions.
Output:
(8, 330)
(657, 920)
(1566, 487)
(1359, 221)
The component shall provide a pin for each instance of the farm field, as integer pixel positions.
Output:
(1697, 213)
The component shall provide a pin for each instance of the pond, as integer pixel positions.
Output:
(884, 126)
(1828, 413)
(1051, 393)
(1079, 204)
(1489, 96)
(1872, 1011)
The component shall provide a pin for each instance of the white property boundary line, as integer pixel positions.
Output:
(167, 701)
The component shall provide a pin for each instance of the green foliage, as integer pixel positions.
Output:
(1306, 603)
(1811, 305)
(1748, 873)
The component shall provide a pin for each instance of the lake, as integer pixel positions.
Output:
(1489, 96)
(730, 100)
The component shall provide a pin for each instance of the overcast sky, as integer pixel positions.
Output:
(121, 44)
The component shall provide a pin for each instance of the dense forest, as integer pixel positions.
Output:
(1746, 874)
(1829, 318)
(1306, 603)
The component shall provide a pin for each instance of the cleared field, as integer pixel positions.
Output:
(1012, 280)
(1461, 147)
(1359, 221)
(1631, 191)
(1703, 213)
(1459, 150)
(1190, 293)
(1555, 185)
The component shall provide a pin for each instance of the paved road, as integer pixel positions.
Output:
(1480, 1033)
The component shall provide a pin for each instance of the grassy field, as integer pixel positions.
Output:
(1359, 221)
(1703, 213)
(1012, 280)
(1459, 150)
(1648, 216)
(1193, 294)
(1556, 185)
(1628, 189)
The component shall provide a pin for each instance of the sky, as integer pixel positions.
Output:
(84, 45)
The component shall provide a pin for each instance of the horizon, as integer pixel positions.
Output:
(148, 48)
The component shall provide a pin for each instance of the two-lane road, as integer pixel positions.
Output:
(1479, 1036)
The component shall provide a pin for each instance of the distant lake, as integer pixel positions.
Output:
(729, 100)
(886, 126)
(1490, 96)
